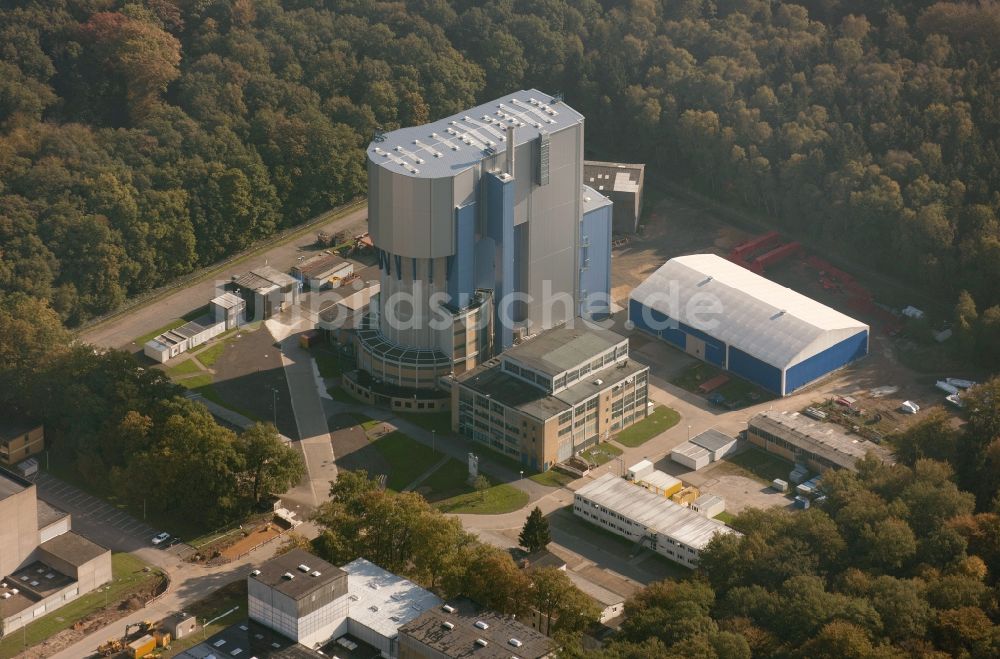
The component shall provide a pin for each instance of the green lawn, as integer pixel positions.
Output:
(202, 384)
(407, 458)
(662, 418)
(439, 422)
(127, 577)
(601, 453)
(186, 367)
(224, 599)
(496, 500)
(737, 389)
(173, 324)
(211, 354)
(447, 489)
(691, 377)
(760, 464)
(552, 478)
(725, 518)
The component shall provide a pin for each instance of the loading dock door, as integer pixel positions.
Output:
(694, 346)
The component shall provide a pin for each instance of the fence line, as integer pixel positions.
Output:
(199, 274)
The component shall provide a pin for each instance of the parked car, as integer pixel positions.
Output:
(160, 538)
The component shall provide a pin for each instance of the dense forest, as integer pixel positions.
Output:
(144, 138)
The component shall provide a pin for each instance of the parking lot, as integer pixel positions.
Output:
(96, 519)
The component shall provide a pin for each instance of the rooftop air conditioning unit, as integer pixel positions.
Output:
(288, 575)
(515, 642)
(255, 573)
(598, 382)
(303, 568)
(482, 642)
(482, 625)
(316, 573)
(448, 608)
(448, 625)
(6, 596)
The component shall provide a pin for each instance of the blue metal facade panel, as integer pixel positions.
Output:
(500, 228)
(595, 263)
(831, 359)
(715, 354)
(755, 370)
(461, 266)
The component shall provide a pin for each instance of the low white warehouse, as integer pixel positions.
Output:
(690, 455)
(639, 515)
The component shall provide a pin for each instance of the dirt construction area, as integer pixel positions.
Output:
(251, 541)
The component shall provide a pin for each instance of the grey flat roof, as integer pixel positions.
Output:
(11, 483)
(302, 583)
(451, 145)
(564, 347)
(49, 514)
(545, 558)
(596, 592)
(613, 176)
(652, 511)
(72, 548)
(690, 450)
(253, 640)
(264, 277)
(228, 300)
(712, 439)
(827, 440)
(460, 640)
(40, 579)
(491, 380)
(320, 264)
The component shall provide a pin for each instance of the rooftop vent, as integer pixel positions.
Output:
(303, 568)
(482, 625)
(482, 642)
(515, 642)
(598, 382)
(315, 573)
(14, 591)
(447, 607)
(448, 625)
(288, 575)
(255, 573)
(6, 596)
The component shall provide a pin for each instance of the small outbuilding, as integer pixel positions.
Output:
(709, 505)
(638, 470)
(229, 309)
(691, 456)
(323, 271)
(716, 443)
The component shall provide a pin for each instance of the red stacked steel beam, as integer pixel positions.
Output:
(775, 256)
(741, 253)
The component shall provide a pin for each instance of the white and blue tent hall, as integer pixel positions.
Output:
(737, 320)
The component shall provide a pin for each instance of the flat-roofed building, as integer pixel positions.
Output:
(641, 516)
(43, 564)
(266, 291)
(190, 335)
(248, 639)
(323, 271)
(300, 596)
(717, 444)
(462, 629)
(380, 603)
(20, 438)
(229, 309)
(552, 396)
(819, 445)
(690, 455)
(623, 184)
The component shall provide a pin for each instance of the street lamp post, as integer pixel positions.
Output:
(433, 440)
(274, 405)
(522, 474)
(689, 432)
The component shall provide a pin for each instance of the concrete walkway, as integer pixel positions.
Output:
(310, 415)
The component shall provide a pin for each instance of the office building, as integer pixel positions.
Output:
(552, 396)
(737, 320)
(484, 232)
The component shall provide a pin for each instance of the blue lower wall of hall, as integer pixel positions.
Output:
(745, 365)
(834, 357)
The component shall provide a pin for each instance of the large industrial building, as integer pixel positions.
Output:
(629, 510)
(484, 232)
(43, 564)
(816, 444)
(552, 396)
(461, 629)
(735, 319)
(313, 603)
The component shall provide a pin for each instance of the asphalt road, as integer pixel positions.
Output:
(119, 332)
